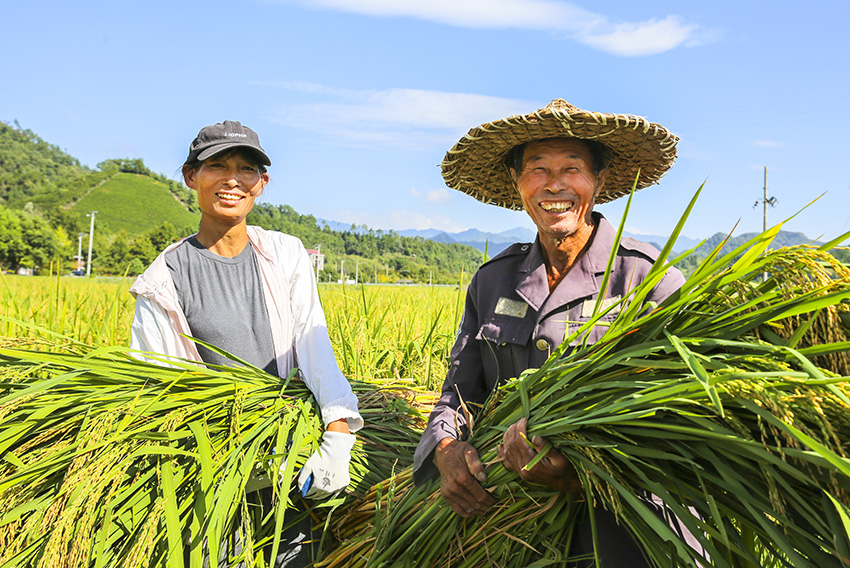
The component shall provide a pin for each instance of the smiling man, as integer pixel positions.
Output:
(556, 164)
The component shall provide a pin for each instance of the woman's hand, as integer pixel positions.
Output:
(554, 470)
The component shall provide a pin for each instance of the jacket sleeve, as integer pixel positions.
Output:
(464, 381)
(669, 284)
(153, 332)
(313, 352)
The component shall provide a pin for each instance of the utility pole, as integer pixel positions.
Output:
(342, 271)
(766, 201)
(91, 239)
(80, 250)
(318, 256)
(357, 272)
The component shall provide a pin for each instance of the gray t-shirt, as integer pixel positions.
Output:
(223, 301)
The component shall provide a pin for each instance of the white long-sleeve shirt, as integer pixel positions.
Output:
(299, 331)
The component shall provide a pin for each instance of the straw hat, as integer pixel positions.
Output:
(476, 164)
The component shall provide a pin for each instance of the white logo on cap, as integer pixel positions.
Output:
(239, 134)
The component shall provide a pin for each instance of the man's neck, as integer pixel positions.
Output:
(561, 254)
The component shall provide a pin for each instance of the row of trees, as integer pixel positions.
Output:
(29, 241)
(375, 253)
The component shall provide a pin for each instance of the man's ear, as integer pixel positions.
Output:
(600, 183)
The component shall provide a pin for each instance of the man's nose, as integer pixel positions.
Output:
(556, 183)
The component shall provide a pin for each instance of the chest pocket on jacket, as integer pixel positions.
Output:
(504, 348)
(596, 332)
(505, 330)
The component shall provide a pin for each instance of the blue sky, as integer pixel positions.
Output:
(357, 101)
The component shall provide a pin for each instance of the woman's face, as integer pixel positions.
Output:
(227, 185)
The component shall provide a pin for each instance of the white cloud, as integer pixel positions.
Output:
(439, 196)
(533, 14)
(395, 117)
(767, 143)
(647, 37)
(640, 38)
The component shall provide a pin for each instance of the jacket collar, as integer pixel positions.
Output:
(580, 282)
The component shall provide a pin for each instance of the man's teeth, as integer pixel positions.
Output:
(558, 207)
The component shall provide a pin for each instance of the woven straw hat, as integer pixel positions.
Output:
(476, 164)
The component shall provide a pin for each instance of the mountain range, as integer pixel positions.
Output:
(494, 243)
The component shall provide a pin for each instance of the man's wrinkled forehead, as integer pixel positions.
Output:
(569, 148)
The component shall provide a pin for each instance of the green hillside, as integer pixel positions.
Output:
(135, 203)
(45, 195)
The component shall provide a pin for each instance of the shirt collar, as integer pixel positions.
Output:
(579, 282)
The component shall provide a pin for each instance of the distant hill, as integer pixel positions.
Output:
(493, 242)
(783, 239)
(42, 179)
(497, 242)
(135, 203)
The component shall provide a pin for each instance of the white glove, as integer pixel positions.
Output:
(327, 469)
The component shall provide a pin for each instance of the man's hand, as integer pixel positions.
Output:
(554, 471)
(461, 476)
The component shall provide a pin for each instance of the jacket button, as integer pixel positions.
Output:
(543, 345)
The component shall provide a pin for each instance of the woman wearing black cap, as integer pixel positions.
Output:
(250, 292)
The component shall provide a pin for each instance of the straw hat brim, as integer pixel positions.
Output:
(636, 148)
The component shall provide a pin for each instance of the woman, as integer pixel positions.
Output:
(250, 292)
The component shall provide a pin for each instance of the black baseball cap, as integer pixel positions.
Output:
(222, 136)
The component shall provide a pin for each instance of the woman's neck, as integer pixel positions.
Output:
(226, 241)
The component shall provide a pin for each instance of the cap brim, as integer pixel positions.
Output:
(207, 153)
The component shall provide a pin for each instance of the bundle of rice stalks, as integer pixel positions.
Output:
(701, 405)
(110, 461)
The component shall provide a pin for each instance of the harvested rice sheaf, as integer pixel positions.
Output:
(110, 461)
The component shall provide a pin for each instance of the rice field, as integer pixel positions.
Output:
(729, 402)
(391, 332)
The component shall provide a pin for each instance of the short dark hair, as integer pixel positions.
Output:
(598, 152)
(194, 164)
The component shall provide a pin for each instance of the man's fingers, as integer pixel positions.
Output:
(461, 473)
(473, 463)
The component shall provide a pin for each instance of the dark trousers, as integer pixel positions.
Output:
(298, 547)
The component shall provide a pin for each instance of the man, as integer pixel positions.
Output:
(555, 163)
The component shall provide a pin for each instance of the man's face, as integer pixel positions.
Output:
(557, 186)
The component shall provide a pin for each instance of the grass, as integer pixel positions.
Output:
(383, 332)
